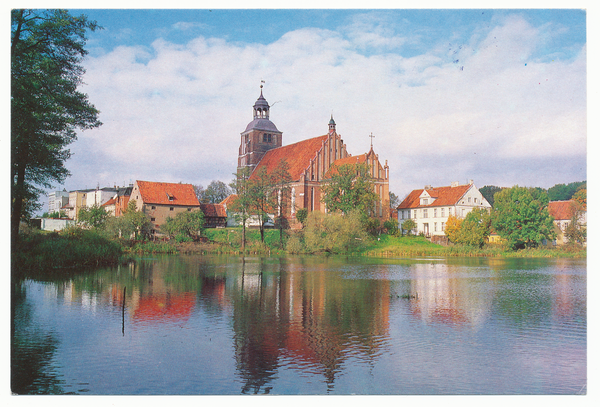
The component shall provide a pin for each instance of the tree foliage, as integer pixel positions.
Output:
(240, 207)
(280, 179)
(350, 188)
(186, 225)
(408, 226)
(564, 192)
(215, 192)
(521, 217)
(94, 216)
(488, 192)
(137, 222)
(334, 232)
(47, 47)
(474, 228)
(452, 229)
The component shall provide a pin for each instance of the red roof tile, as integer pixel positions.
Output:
(165, 193)
(111, 201)
(297, 155)
(560, 210)
(213, 210)
(229, 200)
(444, 196)
(352, 159)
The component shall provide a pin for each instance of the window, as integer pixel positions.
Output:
(435, 213)
(189, 209)
(442, 210)
(469, 199)
(153, 207)
(443, 226)
(171, 208)
(152, 219)
(425, 201)
(435, 226)
(474, 200)
(414, 214)
(424, 213)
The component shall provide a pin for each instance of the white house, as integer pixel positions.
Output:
(56, 200)
(430, 207)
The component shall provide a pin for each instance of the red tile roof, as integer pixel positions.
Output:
(444, 196)
(165, 193)
(111, 201)
(213, 210)
(560, 210)
(352, 159)
(229, 200)
(297, 155)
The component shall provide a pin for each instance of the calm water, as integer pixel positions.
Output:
(218, 325)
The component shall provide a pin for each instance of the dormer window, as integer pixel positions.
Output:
(170, 197)
(425, 201)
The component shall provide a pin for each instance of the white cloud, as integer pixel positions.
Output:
(175, 112)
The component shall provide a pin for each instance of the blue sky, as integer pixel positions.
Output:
(497, 96)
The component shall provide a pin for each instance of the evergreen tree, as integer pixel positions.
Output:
(47, 47)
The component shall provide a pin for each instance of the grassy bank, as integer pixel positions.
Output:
(408, 246)
(43, 251)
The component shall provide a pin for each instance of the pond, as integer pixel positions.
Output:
(215, 325)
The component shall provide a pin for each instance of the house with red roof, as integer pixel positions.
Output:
(162, 200)
(430, 207)
(309, 161)
(563, 212)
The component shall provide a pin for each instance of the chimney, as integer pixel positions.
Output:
(454, 184)
(470, 182)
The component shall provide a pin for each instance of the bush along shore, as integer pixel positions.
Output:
(88, 248)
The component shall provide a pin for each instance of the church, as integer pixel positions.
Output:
(309, 161)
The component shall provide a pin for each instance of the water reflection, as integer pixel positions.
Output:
(316, 319)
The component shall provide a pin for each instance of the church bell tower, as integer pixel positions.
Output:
(260, 136)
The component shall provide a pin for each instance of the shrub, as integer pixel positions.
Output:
(334, 233)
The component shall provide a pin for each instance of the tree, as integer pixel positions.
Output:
(475, 228)
(394, 200)
(452, 229)
(259, 189)
(47, 47)
(185, 225)
(301, 215)
(576, 230)
(199, 192)
(350, 188)
(408, 226)
(215, 192)
(488, 192)
(521, 217)
(334, 232)
(581, 198)
(94, 216)
(240, 206)
(137, 221)
(562, 192)
(280, 199)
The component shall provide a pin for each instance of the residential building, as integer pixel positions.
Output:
(215, 215)
(162, 200)
(56, 200)
(563, 212)
(430, 207)
(309, 161)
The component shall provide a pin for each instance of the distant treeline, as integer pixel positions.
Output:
(559, 192)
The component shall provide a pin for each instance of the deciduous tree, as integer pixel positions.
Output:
(47, 47)
(240, 207)
(521, 217)
(280, 197)
(185, 225)
(350, 188)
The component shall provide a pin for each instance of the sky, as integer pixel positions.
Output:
(494, 96)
